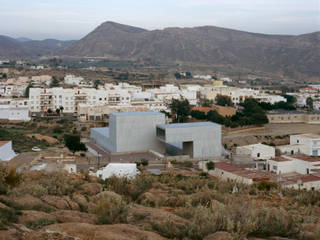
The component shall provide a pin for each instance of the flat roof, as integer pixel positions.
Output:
(281, 159)
(309, 135)
(136, 113)
(305, 158)
(187, 125)
(249, 174)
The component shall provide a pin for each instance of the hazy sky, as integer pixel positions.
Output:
(73, 19)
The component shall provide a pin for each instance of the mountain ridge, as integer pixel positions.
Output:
(290, 55)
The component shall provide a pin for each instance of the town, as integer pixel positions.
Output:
(159, 120)
(160, 125)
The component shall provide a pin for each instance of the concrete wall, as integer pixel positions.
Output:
(6, 152)
(102, 138)
(136, 131)
(206, 139)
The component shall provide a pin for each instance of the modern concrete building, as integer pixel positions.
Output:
(6, 151)
(130, 132)
(199, 139)
(145, 131)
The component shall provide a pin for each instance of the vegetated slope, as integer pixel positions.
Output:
(178, 204)
(208, 45)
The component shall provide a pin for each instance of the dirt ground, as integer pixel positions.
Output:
(274, 134)
(48, 139)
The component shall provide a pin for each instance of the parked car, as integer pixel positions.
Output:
(36, 149)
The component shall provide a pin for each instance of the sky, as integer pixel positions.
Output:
(73, 19)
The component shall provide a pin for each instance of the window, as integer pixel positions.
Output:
(298, 141)
(258, 154)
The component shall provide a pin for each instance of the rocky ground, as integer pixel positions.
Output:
(176, 205)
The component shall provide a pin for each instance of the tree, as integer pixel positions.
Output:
(54, 82)
(181, 109)
(309, 103)
(73, 143)
(210, 166)
(214, 116)
(204, 102)
(223, 101)
(198, 114)
(61, 109)
(96, 84)
(188, 75)
(58, 111)
(49, 111)
(177, 75)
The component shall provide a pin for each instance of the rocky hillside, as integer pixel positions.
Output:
(288, 55)
(175, 205)
(25, 48)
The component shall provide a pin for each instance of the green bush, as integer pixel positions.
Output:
(7, 217)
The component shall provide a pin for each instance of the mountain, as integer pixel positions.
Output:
(288, 55)
(23, 39)
(10, 47)
(24, 48)
(45, 47)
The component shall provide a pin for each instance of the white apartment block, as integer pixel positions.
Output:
(14, 109)
(15, 90)
(237, 95)
(42, 99)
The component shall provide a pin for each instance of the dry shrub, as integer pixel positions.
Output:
(131, 189)
(59, 183)
(32, 188)
(111, 210)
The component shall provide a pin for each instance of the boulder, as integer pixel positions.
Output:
(64, 216)
(86, 231)
(219, 236)
(28, 216)
(147, 215)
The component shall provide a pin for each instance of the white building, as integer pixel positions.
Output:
(257, 151)
(310, 143)
(296, 163)
(228, 172)
(14, 109)
(272, 99)
(120, 170)
(42, 99)
(15, 90)
(6, 152)
(72, 79)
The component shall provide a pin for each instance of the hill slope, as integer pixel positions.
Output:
(22, 48)
(209, 45)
